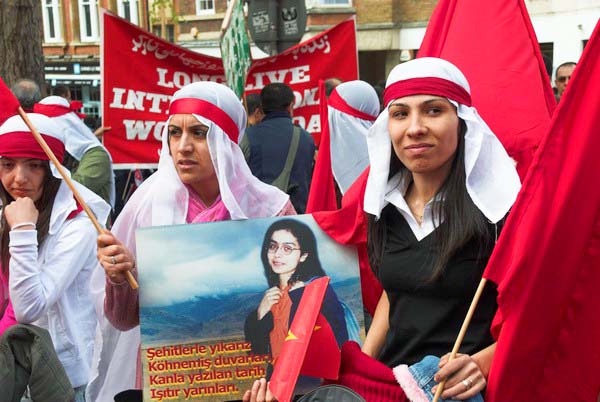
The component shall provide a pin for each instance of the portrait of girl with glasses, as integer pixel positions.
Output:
(290, 260)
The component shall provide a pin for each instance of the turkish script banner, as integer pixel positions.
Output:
(140, 73)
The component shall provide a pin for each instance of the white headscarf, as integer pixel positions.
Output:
(64, 202)
(348, 134)
(163, 200)
(491, 178)
(78, 137)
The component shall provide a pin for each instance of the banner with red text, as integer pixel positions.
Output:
(331, 54)
(216, 312)
(140, 72)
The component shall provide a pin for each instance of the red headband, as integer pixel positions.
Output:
(208, 111)
(22, 144)
(429, 86)
(337, 102)
(58, 110)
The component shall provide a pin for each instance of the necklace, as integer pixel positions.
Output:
(412, 207)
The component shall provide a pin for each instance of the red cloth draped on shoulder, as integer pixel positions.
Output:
(547, 261)
(321, 196)
(348, 225)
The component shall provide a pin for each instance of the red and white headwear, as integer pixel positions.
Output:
(244, 196)
(78, 137)
(17, 141)
(491, 177)
(353, 106)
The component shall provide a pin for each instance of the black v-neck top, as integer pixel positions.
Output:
(425, 317)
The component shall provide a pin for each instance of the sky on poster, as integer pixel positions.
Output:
(179, 263)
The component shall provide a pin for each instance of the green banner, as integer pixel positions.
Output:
(235, 49)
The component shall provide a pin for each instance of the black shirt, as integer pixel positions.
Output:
(426, 316)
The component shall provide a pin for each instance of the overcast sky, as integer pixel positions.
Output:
(178, 263)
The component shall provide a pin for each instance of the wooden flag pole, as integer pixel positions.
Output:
(132, 282)
(461, 334)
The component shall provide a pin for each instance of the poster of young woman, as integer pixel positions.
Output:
(217, 301)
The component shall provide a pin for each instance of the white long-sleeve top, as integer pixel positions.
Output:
(49, 285)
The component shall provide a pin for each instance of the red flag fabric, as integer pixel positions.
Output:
(348, 225)
(509, 83)
(323, 355)
(547, 261)
(321, 196)
(293, 352)
(9, 104)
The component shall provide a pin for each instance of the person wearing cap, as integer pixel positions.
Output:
(47, 246)
(202, 177)
(92, 164)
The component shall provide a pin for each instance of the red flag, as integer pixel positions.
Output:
(348, 225)
(321, 196)
(294, 349)
(547, 261)
(497, 50)
(323, 355)
(9, 104)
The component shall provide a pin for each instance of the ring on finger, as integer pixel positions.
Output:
(468, 383)
(113, 260)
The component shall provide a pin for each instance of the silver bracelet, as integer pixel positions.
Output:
(22, 224)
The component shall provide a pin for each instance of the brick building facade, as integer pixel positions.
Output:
(72, 43)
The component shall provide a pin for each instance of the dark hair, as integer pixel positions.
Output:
(43, 205)
(27, 92)
(566, 64)
(463, 221)
(252, 103)
(62, 91)
(330, 84)
(310, 268)
(276, 97)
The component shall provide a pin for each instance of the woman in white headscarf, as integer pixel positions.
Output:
(346, 116)
(353, 106)
(47, 246)
(94, 164)
(439, 186)
(202, 177)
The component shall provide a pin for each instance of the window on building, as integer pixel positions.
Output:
(88, 20)
(335, 2)
(51, 20)
(547, 50)
(205, 7)
(169, 32)
(128, 9)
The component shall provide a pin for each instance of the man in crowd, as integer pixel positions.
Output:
(27, 92)
(255, 113)
(563, 75)
(277, 151)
